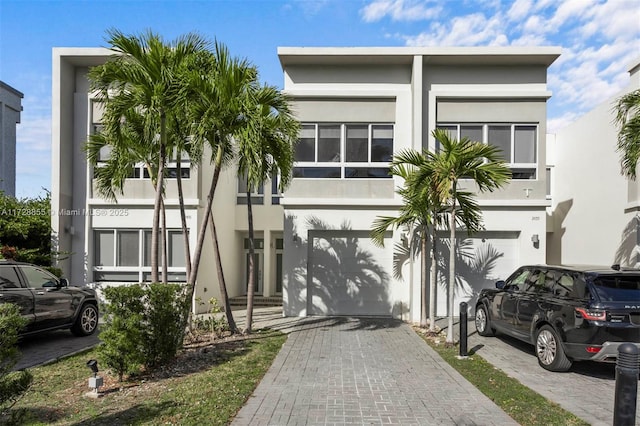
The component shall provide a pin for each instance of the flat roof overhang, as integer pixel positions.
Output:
(509, 55)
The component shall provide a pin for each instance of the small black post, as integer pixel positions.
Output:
(463, 329)
(624, 409)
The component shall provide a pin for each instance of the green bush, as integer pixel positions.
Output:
(165, 322)
(121, 334)
(144, 326)
(12, 383)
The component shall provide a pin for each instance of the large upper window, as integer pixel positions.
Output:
(139, 170)
(518, 143)
(332, 150)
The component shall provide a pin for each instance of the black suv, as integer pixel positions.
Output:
(568, 313)
(48, 302)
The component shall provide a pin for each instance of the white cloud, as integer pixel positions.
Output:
(557, 123)
(34, 133)
(570, 10)
(519, 9)
(600, 38)
(399, 10)
(468, 30)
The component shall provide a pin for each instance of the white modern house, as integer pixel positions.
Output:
(357, 106)
(10, 109)
(594, 214)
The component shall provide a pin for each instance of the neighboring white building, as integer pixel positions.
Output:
(10, 109)
(358, 106)
(594, 215)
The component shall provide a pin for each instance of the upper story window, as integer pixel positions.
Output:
(140, 171)
(257, 195)
(518, 143)
(340, 150)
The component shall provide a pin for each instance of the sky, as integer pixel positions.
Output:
(600, 39)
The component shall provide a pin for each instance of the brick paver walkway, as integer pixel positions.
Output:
(364, 371)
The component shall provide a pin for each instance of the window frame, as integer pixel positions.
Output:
(342, 168)
(138, 273)
(517, 169)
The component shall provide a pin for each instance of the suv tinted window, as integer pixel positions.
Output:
(534, 282)
(8, 277)
(618, 288)
(37, 278)
(563, 287)
(517, 282)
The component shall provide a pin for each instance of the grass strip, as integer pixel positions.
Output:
(208, 387)
(521, 403)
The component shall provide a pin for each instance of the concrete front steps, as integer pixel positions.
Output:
(239, 302)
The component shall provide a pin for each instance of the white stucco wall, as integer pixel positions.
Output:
(589, 221)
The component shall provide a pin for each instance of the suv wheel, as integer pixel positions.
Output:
(549, 350)
(483, 325)
(87, 321)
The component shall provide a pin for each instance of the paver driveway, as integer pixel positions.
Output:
(364, 371)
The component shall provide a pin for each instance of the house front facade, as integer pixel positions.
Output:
(357, 107)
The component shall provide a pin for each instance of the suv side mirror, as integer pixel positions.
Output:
(64, 282)
(500, 285)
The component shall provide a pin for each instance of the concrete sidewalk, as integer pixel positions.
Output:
(360, 371)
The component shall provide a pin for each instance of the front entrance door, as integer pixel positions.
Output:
(258, 262)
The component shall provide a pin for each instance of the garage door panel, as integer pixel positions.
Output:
(481, 261)
(349, 275)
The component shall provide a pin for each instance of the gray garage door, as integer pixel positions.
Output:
(348, 274)
(482, 260)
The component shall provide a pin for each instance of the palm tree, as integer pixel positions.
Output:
(456, 160)
(627, 117)
(220, 85)
(417, 213)
(143, 76)
(265, 148)
(423, 212)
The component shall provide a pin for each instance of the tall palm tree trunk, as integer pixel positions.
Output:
(158, 200)
(183, 216)
(452, 265)
(165, 252)
(423, 279)
(433, 282)
(200, 243)
(252, 271)
(223, 284)
(203, 225)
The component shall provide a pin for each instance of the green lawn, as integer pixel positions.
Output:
(207, 386)
(524, 405)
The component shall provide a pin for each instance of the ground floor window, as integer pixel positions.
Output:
(124, 255)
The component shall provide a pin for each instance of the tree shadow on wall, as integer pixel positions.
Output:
(333, 273)
(627, 252)
(474, 268)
